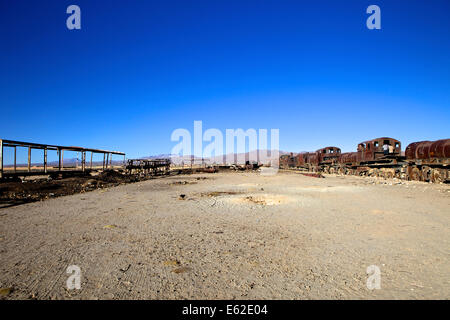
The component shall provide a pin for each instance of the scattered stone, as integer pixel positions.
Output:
(219, 193)
(5, 291)
(126, 268)
(171, 263)
(181, 270)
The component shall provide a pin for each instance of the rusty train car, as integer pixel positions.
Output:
(287, 161)
(376, 157)
(381, 157)
(324, 159)
(428, 160)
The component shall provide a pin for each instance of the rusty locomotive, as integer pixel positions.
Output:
(381, 157)
(324, 159)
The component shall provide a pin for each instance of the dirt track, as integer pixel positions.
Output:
(232, 236)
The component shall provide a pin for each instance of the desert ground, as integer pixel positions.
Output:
(232, 235)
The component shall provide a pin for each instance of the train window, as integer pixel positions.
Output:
(368, 146)
(397, 145)
(386, 142)
(375, 144)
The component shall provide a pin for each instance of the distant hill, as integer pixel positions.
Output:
(265, 156)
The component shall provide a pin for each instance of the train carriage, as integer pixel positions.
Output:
(428, 160)
(381, 157)
(288, 161)
(379, 149)
(377, 157)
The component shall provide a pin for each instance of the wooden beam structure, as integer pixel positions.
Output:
(43, 166)
(60, 164)
(83, 161)
(29, 159)
(45, 160)
(15, 159)
(1, 159)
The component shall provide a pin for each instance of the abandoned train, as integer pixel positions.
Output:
(382, 157)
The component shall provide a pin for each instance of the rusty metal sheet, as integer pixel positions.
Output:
(348, 157)
(426, 150)
(440, 149)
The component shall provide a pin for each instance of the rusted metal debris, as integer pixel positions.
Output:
(148, 166)
(45, 169)
(314, 175)
(429, 160)
(429, 151)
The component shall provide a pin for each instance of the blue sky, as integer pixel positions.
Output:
(137, 70)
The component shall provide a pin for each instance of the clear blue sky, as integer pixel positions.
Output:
(138, 69)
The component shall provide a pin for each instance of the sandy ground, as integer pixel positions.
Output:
(232, 236)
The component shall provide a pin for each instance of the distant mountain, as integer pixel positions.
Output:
(159, 156)
(264, 156)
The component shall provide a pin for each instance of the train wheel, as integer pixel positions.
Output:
(378, 173)
(415, 174)
(426, 173)
(390, 174)
(435, 176)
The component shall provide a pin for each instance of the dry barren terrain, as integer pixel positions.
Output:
(232, 236)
